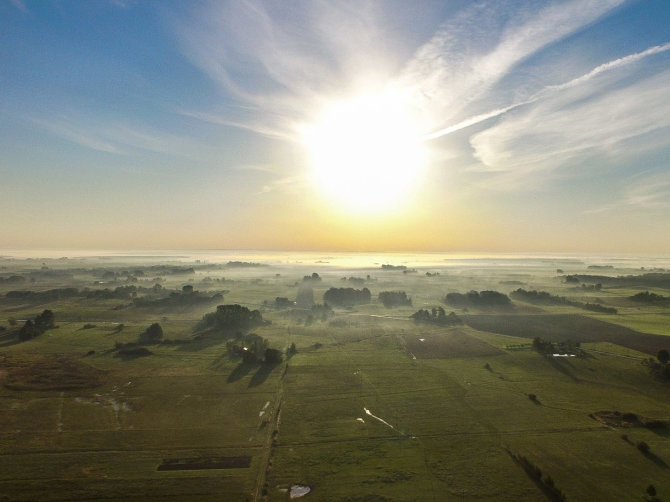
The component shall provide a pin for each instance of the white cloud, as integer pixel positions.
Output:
(646, 191)
(464, 60)
(19, 4)
(119, 138)
(572, 124)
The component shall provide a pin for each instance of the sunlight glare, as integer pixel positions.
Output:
(366, 153)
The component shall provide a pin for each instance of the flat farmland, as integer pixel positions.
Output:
(360, 403)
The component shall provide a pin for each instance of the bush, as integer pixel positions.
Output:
(393, 298)
(153, 333)
(643, 447)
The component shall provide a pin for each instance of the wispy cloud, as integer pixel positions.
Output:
(118, 138)
(276, 63)
(645, 191)
(551, 89)
(464, 60)
(20, 4)
(573, 124)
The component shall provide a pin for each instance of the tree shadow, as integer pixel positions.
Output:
(660, 431)
(262, 374)
(655, 459)
(9, 339)
(130, 356)
(240, 371)
(559, 365)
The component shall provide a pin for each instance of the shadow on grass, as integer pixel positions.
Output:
(561, 366)
(660, 431)
(9, 339)
(262, 374)
(656, 459)
(550, 492)
(240, 371)
(130, 353)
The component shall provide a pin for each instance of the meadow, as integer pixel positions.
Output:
(366, 404)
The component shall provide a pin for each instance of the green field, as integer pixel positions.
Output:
(371, 406)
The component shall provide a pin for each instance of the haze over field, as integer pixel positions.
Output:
(460, 126)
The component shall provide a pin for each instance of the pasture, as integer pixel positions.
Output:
(369, 406)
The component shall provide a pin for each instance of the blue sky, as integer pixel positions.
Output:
(161, 124)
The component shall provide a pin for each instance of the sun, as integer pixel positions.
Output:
(366, 153)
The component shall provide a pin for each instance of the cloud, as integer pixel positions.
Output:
(570, 125)
(20, 4)
(472, 52)
(648, 191)
(551, 89)
(118, 138)
(276, 63)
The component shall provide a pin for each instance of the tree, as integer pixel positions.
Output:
(663, 356)
(27, 331)
(153, 333)
(272, 356)
(651, 490)
(44, 321)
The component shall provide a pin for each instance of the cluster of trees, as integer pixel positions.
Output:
(660, 367)
(312, 278)
(358, 281)
(596, 307)
(281, 302)
(42, 296)
(539, 297)
(122, 292)
(486, 299)
(153, 334)
(42, 322)
(253, 348)
(184, 298)
(388, 266)
(243, 264)
(547, 348)
(394, 298)
(436, 316)
(649, 280)
(230, 318)
(346, 296)
(535, 472)
(648, 297)
(544, 298)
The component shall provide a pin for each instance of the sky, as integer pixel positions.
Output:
(452, 126)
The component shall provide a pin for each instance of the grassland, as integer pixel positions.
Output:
(371, 406)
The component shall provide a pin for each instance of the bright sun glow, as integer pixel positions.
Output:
(366, 153)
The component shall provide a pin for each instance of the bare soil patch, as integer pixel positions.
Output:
(48, 372)
(448, 344)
